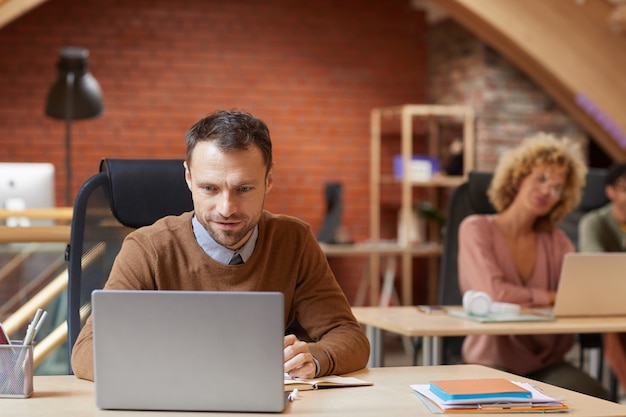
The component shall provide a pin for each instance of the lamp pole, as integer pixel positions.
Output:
(69, 108)
(74, 95)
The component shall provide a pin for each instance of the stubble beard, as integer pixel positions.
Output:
(227, 238)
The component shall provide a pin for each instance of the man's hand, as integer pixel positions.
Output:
(298, 359)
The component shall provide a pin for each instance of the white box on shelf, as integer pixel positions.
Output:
(421, 167)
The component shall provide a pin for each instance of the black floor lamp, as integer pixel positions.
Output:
(74, 95)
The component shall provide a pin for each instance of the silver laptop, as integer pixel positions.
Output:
(592, 284)
(189, 350)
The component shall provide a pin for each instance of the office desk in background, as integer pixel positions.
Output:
(66, 396)
(388, 252)
(409, 321)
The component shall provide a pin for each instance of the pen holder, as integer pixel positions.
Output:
(16, 370)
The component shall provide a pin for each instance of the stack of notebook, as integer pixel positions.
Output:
(484, 396)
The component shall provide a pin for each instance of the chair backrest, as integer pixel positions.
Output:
(471, 198)
(593, 197)
(125, 195)
(467, 199)
(332, 218)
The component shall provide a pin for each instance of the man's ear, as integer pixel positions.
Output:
(269, 179)
(609, 190)
(187, 175)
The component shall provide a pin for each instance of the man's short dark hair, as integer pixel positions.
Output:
(231, 130)
(615, 172)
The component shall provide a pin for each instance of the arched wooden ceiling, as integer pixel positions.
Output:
(569, 47)
(12, 9)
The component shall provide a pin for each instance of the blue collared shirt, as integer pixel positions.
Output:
(218, 252)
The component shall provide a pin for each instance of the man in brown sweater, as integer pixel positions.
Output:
(230, 243)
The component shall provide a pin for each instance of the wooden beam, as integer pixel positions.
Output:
(55, 213)
(565, 46)
(13, 9)
(34, 234)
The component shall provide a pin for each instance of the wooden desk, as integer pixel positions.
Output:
(389, 251)
(409, 321)
(389, 396)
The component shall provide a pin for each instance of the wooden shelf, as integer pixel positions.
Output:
(403, 117)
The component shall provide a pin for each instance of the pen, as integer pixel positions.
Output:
(31, 328)
(39, 323)
(293, 395)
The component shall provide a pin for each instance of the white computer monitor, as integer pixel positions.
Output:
(26, 185)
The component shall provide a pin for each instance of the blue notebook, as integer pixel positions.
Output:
(478, 389)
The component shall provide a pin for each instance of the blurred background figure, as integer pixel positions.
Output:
(604, 230)
(515, 256)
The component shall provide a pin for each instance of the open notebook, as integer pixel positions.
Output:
(179, 350)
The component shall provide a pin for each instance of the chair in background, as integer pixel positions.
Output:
(332, 218)
(471, 198)
(125, 195)
(593, 197)
(467, 199)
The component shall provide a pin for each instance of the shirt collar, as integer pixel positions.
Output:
(218, 252)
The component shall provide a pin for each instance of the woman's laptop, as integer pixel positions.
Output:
(592, 284)
(189, 350)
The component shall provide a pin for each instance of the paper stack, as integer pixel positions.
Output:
(495, 395)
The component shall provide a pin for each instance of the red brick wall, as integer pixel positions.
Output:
(509, 106)
(311, 69)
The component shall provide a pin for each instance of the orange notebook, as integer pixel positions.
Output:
(478, 389)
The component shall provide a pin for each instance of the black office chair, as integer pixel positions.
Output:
(332, 218)
(125, 195)
(468, 198)
(593, 197)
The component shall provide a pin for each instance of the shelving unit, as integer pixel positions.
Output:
(405, 115)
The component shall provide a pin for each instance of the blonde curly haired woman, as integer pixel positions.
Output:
(515, 256)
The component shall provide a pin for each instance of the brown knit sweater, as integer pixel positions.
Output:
(287, 258)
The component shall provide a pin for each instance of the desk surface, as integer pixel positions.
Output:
(390, 395)
(381, 248)
(409, 321)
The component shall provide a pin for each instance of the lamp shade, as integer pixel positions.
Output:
(86, 93)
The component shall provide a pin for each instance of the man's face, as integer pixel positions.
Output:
(228, 191)
(617, 195)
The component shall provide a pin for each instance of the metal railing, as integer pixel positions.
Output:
(32, 237)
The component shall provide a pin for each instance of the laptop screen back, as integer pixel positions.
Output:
(189, 350)
(592, 284)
